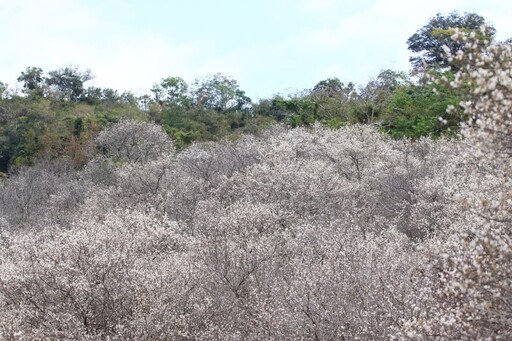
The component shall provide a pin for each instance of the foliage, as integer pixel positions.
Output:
(415, 110)
(32, 79)
(56, 115)
(172, 91)
(296, 110)
(330, 102)
(32, 127)
(67, 83)
(430, 41)
(376, 94)
(220, 93)
(335, 102)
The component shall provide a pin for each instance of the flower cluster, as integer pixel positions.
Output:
(472, 297)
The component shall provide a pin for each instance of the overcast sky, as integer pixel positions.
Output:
(268, 46)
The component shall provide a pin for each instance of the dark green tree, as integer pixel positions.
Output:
(68, 82)
(333, 87)
(415, 110)
(297, 109)
(334, 101)
(33, 81)
(427, 43)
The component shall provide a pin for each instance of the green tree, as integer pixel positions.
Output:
(172, 91)
(33, 81)
(333, 87)
(415, 110)
(297, 110)
(376, 94)
(334, 101)
(92, 95)
(220, 93)
(68, 82)
(428, 42)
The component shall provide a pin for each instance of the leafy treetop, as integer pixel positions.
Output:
(428, 42)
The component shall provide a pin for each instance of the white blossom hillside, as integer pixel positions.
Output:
(310, 233)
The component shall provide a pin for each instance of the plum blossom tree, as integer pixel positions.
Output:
(133, 141)
(307, 233)
(43, 193)
(96, 280)
(471, 298)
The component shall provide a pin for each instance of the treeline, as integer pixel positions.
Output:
(55, 114)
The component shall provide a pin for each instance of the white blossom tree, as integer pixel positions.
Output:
(310, 234)
(471, 299)
(133, 141)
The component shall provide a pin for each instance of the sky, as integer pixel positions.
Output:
(268, 46)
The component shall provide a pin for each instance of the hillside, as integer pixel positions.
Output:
(197, 214)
